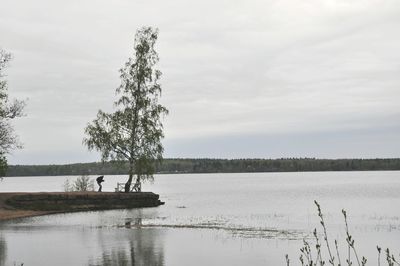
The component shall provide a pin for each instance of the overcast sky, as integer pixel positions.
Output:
(266, 79)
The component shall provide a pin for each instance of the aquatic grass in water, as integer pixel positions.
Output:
(311, 254)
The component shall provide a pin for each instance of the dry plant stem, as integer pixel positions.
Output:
(394, 260)
(306, 250)
(337, 252)
(349, 257)
(349, 239)
(388, 258)
(363, 261)
(355, 253)
(318, 248)
(331, 258)
(306, 257)
(287, 260)
(391, 259)
(301, 260)
(379, 255)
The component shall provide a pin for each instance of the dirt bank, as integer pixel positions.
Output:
(18, 205)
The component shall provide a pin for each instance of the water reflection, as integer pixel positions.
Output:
(236, 219)
(139, 247)
(3, 251)
(116, 257)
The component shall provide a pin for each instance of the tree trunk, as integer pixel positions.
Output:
(129, 182)
(139, 184)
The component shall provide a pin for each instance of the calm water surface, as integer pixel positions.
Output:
(209, 219)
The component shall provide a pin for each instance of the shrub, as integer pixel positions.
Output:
(82, 183)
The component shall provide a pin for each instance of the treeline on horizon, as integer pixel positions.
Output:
(169, 166)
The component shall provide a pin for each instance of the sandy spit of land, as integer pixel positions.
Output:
(37, 203)
(7, 212)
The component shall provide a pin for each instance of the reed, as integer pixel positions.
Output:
(311, 253)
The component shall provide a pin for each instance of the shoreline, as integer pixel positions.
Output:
(9, 213)
(212, 165)
(14, 205)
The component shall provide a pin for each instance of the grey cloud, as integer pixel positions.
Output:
(231, 68)
(330, 145)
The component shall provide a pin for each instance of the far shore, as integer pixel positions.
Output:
(197, 166)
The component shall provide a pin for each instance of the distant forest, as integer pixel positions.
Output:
(169, 166)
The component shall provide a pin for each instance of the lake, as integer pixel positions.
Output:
(210, 219)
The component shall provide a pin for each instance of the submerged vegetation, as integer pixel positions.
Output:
(211, 166)
(311, 253)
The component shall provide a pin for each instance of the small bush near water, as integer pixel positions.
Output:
(82, 183)
(310, 253)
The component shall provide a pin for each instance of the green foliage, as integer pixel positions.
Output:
(8, 111)
(134, 131)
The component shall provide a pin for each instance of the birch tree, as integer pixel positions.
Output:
(8, 111)
(133, 133)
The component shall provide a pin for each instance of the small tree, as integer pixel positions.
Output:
(3, 166)
(134, 131)
(82, 183)
(8, 111)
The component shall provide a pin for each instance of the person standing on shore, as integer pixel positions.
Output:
(100, 180)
